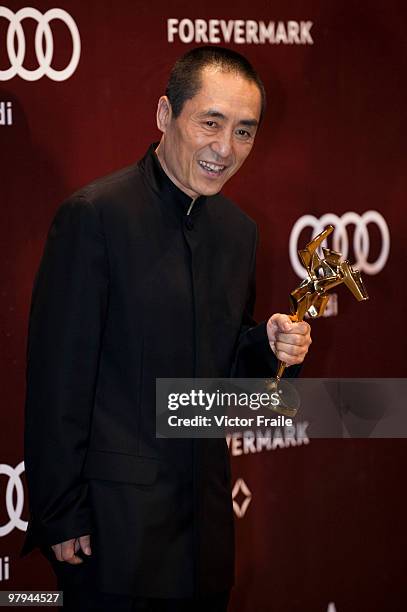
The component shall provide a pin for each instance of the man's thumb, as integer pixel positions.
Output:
(85, 544)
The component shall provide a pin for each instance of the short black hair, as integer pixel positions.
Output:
(185, 77)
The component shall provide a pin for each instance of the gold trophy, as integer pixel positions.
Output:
(311, 295)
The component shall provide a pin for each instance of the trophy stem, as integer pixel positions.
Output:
(280, 370)
(281, 365)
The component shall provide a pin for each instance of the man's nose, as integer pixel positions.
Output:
(223, 144)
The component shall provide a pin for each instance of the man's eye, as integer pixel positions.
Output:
(243, 133)
(211, 123)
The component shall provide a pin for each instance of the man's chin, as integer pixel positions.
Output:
(211, 192)
(213, 189)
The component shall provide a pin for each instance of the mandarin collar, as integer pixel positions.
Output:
(163, 186)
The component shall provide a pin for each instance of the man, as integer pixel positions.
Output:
(148, 273)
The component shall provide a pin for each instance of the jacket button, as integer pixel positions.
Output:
(189, 223)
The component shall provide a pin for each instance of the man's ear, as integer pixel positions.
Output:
(164, 113)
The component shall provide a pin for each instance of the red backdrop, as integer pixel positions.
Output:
(322, 526)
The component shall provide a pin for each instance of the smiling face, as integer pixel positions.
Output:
(207, 143)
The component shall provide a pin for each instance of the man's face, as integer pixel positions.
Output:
(208, 142)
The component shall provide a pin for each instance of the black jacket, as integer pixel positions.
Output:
(131, 288)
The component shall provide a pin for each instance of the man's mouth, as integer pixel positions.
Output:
(211, 168)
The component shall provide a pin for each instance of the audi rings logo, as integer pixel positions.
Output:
(340, 241)
(14, 511)
(44, 44)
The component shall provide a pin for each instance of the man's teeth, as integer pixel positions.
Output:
(212, 167)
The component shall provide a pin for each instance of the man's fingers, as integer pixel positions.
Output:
(66, 550)
(294, 339)
(288, 340)
(289, 357)
(281, 323)
(291, 350)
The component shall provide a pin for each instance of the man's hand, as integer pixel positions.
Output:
(289, 341)
(66, 550)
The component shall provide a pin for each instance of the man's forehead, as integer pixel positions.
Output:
(213, 79)
(225, 93)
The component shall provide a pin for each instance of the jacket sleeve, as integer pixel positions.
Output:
(68, 310)
(254, 357)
